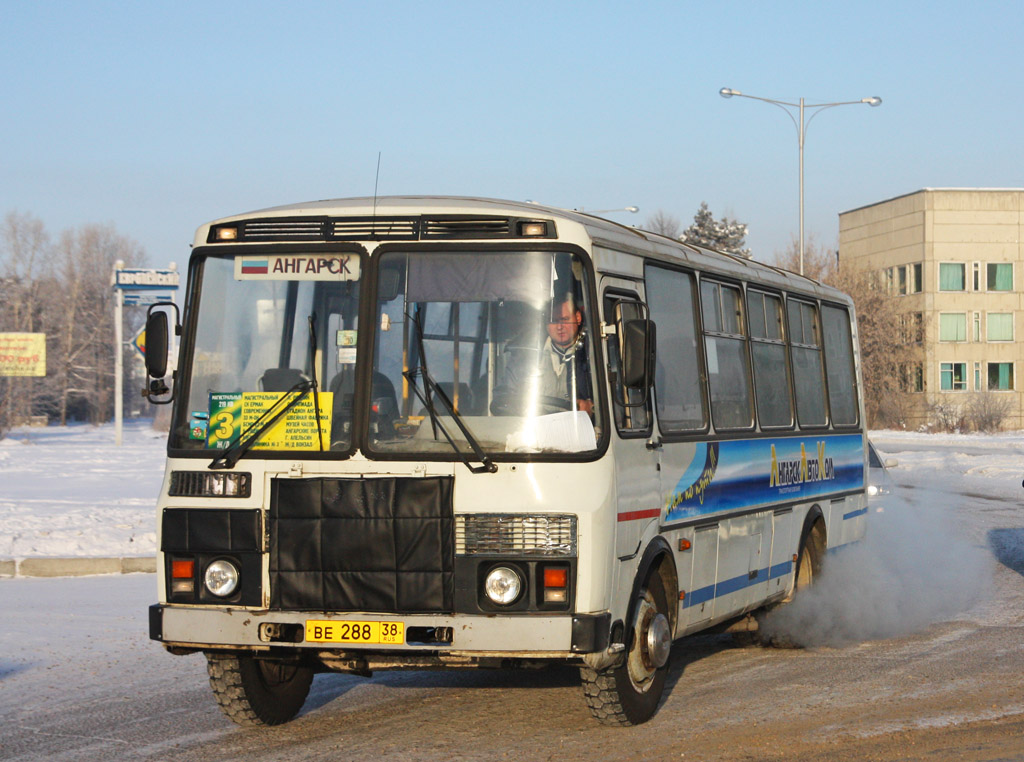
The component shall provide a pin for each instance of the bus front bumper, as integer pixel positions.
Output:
(563, 635)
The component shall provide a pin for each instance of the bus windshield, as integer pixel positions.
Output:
(486, 352)
(267, 327)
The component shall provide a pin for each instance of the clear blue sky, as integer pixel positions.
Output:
(157, 117)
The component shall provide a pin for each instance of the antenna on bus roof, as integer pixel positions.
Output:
(376, 180)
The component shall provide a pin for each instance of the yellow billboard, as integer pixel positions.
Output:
(22, 354)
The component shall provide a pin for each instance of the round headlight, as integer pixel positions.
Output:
(221, 578)
(503, 585)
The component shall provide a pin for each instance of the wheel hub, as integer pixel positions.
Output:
(659, 641)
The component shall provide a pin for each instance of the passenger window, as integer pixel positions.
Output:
(678, 390)
(768, 352)
(805, 352)
(842, 380)
(632, 412)
(725, 348)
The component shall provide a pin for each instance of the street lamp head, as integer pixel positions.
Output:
(727, 92)
(633, 209)
(873, 101)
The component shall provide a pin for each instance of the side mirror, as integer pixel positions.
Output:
(156, 344)
(157, 341)
(638, 352)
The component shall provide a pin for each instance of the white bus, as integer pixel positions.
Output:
(422, 432)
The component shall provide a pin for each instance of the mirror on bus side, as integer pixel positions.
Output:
(156, 349)
(638, 348)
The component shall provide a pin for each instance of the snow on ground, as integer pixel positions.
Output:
(71, 492)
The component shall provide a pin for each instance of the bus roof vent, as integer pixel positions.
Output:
(389, 228)
(475, 227)
(309, 229)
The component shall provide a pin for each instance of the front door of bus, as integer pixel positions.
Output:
(636, 464)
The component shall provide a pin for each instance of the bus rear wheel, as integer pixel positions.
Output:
(629, 693)
(808, 567)
(258, 691)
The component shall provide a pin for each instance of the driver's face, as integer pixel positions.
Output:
(565, 325)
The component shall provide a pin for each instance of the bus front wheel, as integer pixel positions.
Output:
(629, 693)
(258, 691)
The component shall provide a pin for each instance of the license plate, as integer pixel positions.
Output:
(339, 631)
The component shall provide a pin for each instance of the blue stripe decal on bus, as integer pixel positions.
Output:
(745, 473)
(704, 594)
(854, 514)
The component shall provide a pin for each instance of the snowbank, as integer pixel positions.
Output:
(70, 492)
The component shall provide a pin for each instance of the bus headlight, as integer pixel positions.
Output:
(503, 585)
(221, 578)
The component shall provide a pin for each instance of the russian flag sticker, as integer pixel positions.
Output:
(254, 267)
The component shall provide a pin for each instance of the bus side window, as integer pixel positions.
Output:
(805, 351)
(725, 345)
(842, 380)
(678, 388)
(768, 352)
(632, 414)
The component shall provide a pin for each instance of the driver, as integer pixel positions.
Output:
(562, 370)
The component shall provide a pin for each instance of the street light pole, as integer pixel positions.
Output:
(801, 131)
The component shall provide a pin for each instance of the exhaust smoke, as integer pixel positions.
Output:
(916, 566)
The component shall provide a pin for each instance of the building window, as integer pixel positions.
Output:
(1000, 276)
(1000, 376)
(912, 327)
(901, 281)
(952, 276)
(911, 377)
(953, 326)
(976, 269)
(953, 376)
(1000, 326)
(977, 376)
(976, 322)
(916, 278)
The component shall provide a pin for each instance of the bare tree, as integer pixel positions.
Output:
(986, 411)
(25, 299)
(85, 329)
(820, 262)
(665, 224)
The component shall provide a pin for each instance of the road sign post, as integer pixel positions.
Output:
(134, 287)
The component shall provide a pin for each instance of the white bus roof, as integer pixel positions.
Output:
(601, 232)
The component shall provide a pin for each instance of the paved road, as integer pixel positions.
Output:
(80, 681)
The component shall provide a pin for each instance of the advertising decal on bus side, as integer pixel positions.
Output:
(742, 474)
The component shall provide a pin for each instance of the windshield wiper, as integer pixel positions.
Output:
(431, 391)
(259, 427)
(434, 391)
(316, 386)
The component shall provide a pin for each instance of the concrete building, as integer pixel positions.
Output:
(954, 259)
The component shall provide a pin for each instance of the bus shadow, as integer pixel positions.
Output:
(1008, 547)
(329, 687)
(694, 648)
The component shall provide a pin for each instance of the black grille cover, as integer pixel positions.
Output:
(362, 545)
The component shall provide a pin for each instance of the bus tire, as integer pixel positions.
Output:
(629, 694)
(253, 692)
(808, 567)
(810, 558)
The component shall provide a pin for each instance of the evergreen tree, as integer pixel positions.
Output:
(724, 234)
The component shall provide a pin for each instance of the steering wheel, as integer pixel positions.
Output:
(518, 403)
